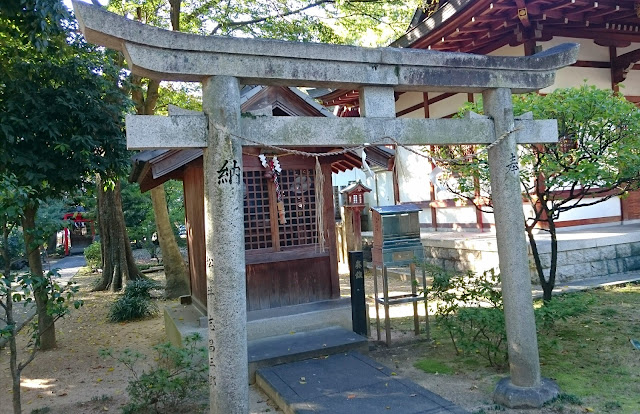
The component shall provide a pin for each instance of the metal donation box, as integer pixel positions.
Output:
(396, 235)
(396, 243)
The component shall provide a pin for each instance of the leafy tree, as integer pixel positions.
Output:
(318, 20)
(138, 212)
(596, 158)
(14, 288)
(60, 117)
(374, 22)
(145, 94)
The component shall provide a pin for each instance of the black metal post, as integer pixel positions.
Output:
(358, 305)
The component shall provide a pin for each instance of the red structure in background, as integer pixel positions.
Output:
(76, 234)
(355, 202)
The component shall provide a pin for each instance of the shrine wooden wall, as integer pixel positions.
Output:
(291, 282)
(194, 215)
(277, 278)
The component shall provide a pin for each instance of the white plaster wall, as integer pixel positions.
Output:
(409, 99)
(444, 195)
(413, 176)
(574, 77)
(631, 85)
(489, 218)
(447, 106)
(425, 216)
(588, 49)
(609, 208)
(383, 181)
(456, 215)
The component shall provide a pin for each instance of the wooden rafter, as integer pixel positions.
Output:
(622, 64)
(478, 20)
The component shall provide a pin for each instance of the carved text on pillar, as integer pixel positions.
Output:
(358, 273)
(228, 171)
(513, 167)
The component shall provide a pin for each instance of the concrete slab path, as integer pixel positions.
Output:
(67, 268)
(347, 383)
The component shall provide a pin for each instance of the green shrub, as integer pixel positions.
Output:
(560, 308)
(135, 303)
(140, 288)
(176, 383)
(127, 308)
(469, 308)
(60, 251)
(93, 255)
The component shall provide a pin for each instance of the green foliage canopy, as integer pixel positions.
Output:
(332, 21)
(598, 152)
(60, 104)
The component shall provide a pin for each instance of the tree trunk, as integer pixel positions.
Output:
(13, 362)
(175, 269)
(547, 287)
(549, 283)
(46, 329)
(118, 265)
(8, 308)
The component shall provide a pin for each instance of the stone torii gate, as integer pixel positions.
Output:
(222, 64)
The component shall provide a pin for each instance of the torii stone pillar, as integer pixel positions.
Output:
(524, 388)
(221, 64)
(224, 237)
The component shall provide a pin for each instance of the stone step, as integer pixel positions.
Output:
(267, 352)
(304, 317)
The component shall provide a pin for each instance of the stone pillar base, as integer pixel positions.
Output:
(512, 396)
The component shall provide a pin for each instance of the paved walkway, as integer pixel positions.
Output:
(345, 384)
(590, 283)
(67, 268)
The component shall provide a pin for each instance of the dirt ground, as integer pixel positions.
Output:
(75, 379)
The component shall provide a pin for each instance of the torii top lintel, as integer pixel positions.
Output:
(168, 55)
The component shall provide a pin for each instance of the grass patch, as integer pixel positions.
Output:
(588, 352)
(432, 366)
(566, 399)
(590, 356)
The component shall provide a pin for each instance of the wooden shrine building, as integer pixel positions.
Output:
(285, 261)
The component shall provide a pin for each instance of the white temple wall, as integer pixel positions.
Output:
(413, 176)
(609, 208)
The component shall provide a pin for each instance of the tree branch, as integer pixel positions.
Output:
(262, 19)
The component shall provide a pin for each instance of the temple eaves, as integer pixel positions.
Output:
(168, 55)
